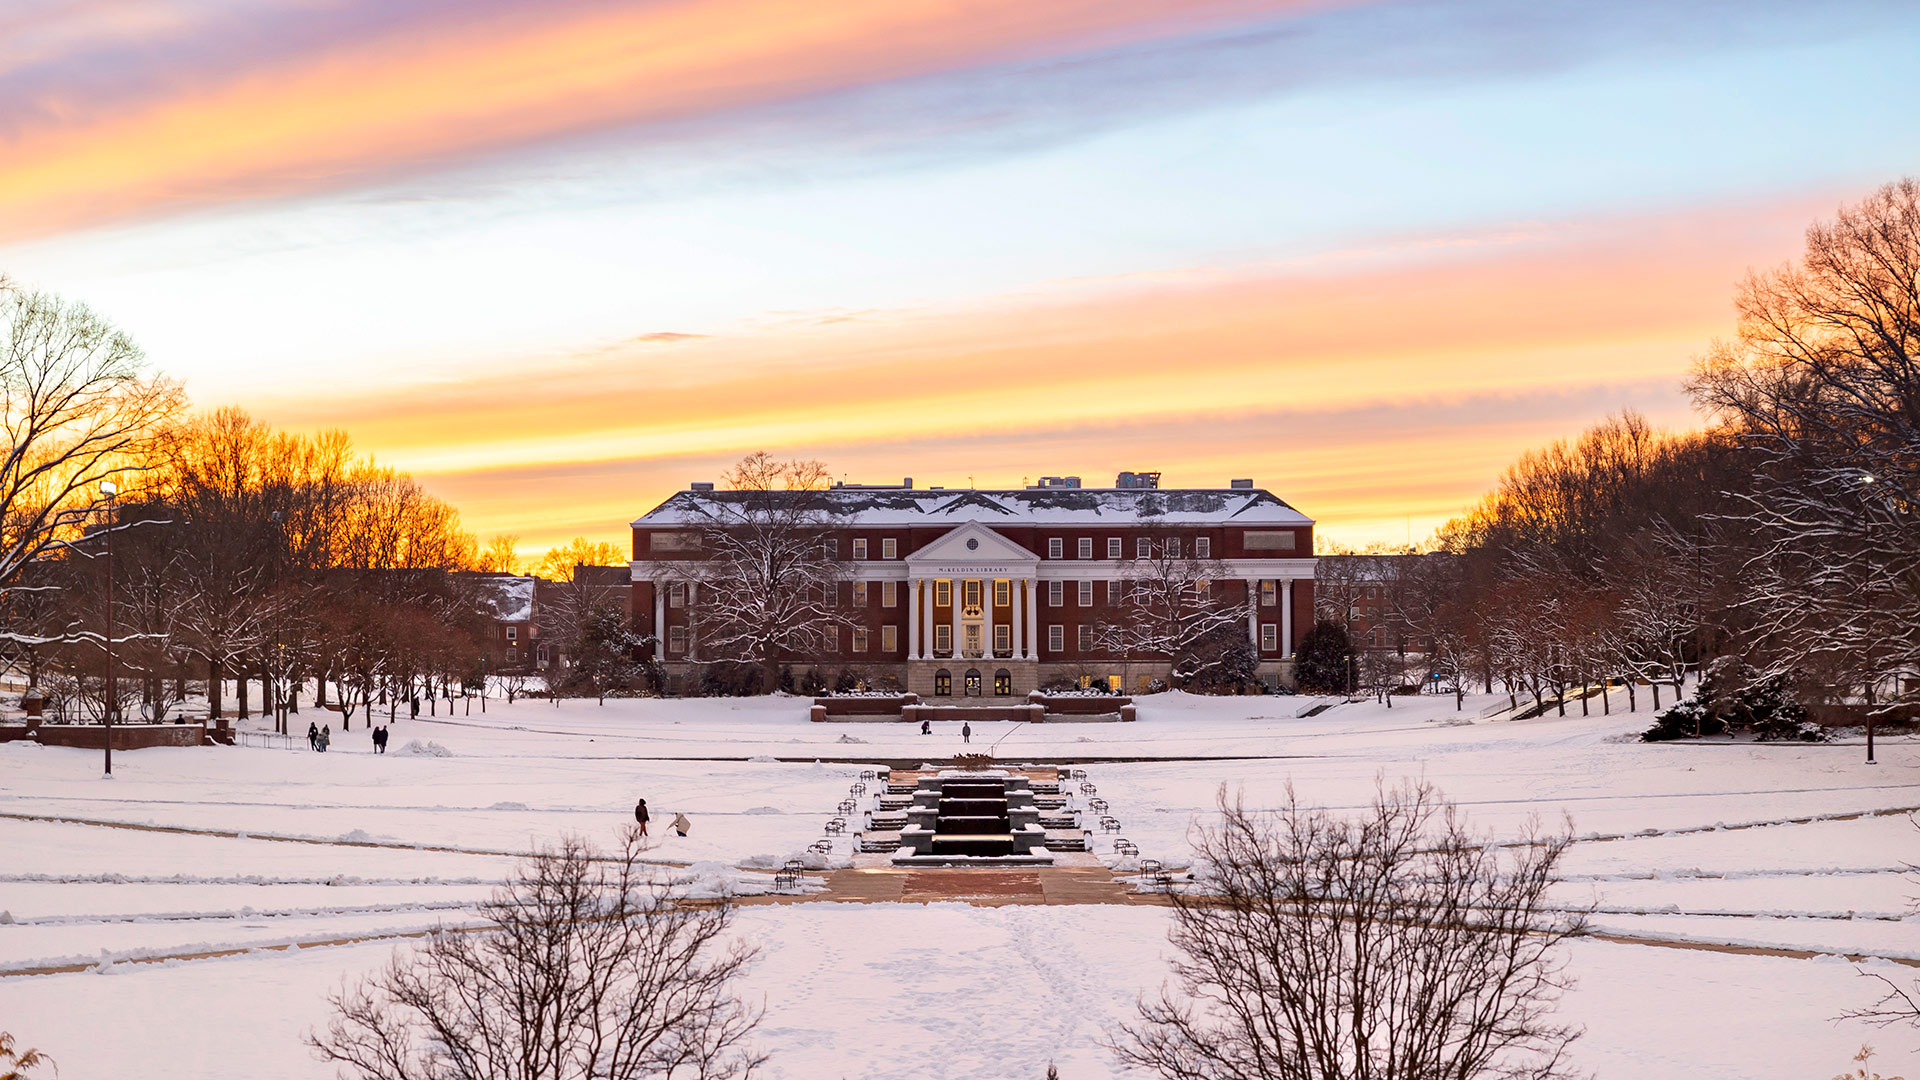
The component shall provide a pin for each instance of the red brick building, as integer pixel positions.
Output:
(995, 592)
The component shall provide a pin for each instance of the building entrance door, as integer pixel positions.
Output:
(972, 637)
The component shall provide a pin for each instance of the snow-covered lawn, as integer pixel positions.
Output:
(1797, 846)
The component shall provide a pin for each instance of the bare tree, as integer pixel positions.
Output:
(501, 555)
(1395, 945)
(1823, 384)
(589, 970)
(77, 408)
(768, 587)
(1173, 607)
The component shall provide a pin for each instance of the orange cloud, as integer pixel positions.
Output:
(393, 103)
(1367, 396)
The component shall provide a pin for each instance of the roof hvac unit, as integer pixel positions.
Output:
(701, 485)
(1240, 483)
(1058, 482)
(1138, 480)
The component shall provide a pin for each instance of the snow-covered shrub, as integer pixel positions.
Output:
(1686, 720)
(1786, 730)
(416, 748)
(1734, 695)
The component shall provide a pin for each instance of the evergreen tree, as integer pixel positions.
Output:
(1324, 660)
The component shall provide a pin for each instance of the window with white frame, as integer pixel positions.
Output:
(1113, 591)
(859, 639)
(830, 638)
(1086, 593)
(830, 547)
(1086, 638)
(942, 638)
(1203, 547)
(677, 594)
(1142, 548)
(1002, 638)
(1056, 547)
(677, 640)
(513, 633)
(889, 594)
(859, 547)
(889, 639)
(1085, 547)
(943, 593)
(1269, 592)
(889, 548)
(859, 594)
(1173, 547)
(1113, 547)
(1056, 594)
(513, 654)
(1002, 592)
(1056, 638)
(1269, 637)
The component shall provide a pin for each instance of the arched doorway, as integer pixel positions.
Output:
(973, 682)
(1002, 683)
(943, 683)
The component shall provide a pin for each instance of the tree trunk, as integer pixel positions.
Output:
(320, 691)
(240, 691)
(1655, 684)
(213, 688)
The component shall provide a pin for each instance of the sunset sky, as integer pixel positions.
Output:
(560, 259)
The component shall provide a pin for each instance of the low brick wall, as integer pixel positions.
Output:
(1080, 704)
(863, 706)
(980, 714)
(93, 736)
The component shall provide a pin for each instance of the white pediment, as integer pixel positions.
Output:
(972, 548)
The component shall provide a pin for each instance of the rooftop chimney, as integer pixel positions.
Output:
(702, 485)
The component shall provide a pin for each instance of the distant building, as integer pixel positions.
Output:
(995, 592)
(509, 604)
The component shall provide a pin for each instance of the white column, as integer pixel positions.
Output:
(986, 608)
(693, 644)
(958, 593)
(1253, 615)
(659, 619)
(1033, 619)
(1286, 617)
(1018, 613)
(913, 618)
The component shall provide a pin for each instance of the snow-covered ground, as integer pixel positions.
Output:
(188, 851)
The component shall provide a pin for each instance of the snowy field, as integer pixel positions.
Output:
(233, 851)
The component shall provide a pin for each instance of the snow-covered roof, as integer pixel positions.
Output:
(508, 598)
(1029, 506)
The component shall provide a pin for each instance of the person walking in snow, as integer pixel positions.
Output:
(640, 815)
(966, 733)
(380, 740)
(681, 824)
(926, 727)
(416, 707)
(313, 736)
(326, 736)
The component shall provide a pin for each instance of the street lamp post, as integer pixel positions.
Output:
(111, 491)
